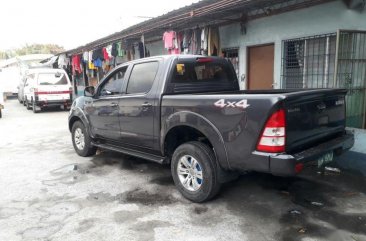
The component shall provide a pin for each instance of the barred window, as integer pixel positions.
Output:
(309, 62)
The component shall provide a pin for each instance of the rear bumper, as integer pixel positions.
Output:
(50, 103)
(284, 164)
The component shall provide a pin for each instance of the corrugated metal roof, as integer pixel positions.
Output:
(202, 13)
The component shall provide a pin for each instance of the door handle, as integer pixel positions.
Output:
(146, 104)
(114, 104)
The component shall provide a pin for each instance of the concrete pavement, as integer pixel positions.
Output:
(47, 192)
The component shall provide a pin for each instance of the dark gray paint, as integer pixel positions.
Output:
(233, 132)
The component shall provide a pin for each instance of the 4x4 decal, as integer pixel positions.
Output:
(222, 103)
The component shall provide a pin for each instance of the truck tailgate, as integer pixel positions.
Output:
(313, 117)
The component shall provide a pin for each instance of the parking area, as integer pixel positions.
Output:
(47, 192)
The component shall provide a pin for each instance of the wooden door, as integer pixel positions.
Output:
(260, 67)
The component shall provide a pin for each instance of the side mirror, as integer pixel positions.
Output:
(89, 91)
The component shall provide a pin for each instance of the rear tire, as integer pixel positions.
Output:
(81, 140)
(194, 170)
(34, 107)
(27, 104)
(1, 115)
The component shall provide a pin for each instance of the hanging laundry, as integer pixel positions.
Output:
(85, 56)
(114, 51)
(187, 40)
(90, 56)
(169, 38)
(204, 40)
(141, 49)
(120, 49)
(75, 64)
(105, 54)
(109, 50)
(98, 54)
(63, 61)
(214, 42)
(97, 62)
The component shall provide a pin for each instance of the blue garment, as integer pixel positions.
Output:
(97, 62)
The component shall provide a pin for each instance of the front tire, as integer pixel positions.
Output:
(194, 171)
(81, 140)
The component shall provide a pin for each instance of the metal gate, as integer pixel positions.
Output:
(350, 72)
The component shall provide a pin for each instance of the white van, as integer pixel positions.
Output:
(47, 87)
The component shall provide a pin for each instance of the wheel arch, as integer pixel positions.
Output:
(187, 126)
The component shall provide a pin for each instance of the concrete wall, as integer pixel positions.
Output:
(320, 19)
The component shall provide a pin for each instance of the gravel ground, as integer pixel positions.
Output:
(47, 192)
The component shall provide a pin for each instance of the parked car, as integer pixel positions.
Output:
(188, 111)
(21, 90)
(47, 87)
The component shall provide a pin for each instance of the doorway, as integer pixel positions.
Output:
(260, 67)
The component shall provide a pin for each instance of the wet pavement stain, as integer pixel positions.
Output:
(86, 224)
(313, 200)
(200, 209)
(136, 196)
(163, 181)
(74, 173)
(148, 199)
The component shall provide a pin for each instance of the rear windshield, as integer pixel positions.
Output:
(52, 79)
(193, 72)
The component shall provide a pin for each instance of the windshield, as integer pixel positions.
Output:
(52, 79)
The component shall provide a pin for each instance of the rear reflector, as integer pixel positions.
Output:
(273, 138)
(299, 167)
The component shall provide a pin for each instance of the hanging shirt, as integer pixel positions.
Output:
(168, 38)
(62, 61)
(119, 49)
(141, 50)
(90, 59)
(86, 57)
(91, 65)
(105, 54)
(109, 50)
(114, 51)
(75, 63)
(204, 39)
(97, 62)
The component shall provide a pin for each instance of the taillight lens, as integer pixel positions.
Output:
(273, 138)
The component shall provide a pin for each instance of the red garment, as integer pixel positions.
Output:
(75, 63)
(105, 54)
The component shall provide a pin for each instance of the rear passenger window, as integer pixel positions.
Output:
(142, 77)
(190, 72)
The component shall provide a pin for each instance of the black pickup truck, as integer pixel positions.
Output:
(188, 111)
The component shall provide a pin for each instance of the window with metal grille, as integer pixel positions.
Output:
(309, 62)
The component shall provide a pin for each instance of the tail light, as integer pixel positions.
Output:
(273, 138)
(204, 60)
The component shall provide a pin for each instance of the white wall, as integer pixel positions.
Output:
(320, 19)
